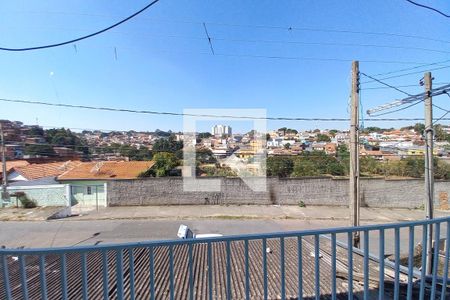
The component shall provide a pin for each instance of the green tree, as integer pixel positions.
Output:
(164, 163)
(36, 131)
(333, 132)
(204, 135)
(370, 166)
(440, 134)
(62, 137)
(441, 170)
(205, 156)
(167, 145)
(323, 138)
(342, 151)
(39, 149)
(280, 166)
(291, 131)
(133, 153)
(419, 128)
(217, 171)
(282, 130)
(304, 168)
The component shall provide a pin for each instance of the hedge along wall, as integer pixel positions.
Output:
(409, 193)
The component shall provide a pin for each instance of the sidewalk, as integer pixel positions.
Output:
(194, 212)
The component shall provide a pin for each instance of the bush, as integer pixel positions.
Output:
(25, 201)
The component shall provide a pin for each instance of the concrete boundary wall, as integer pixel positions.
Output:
(43, 195)
(405, 193)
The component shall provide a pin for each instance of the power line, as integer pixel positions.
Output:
(446, 112)
(209, 39)
(85, 36)
(412, 68)
(400, 86)
(386, 84)
(198, 115)
(429, 7)
(277, 27)
(330, 44)
(407, 74)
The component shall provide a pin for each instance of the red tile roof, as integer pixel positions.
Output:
(36, 171)
(107, 170)
(12, 164)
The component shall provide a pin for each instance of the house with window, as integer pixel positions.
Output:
(89, 180)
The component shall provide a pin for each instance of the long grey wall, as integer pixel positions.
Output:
(311, 191)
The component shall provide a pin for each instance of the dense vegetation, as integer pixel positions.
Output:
(319, 164)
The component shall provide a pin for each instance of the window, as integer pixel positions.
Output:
(89, 190)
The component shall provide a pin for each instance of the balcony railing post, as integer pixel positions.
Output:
(119, 273)
(264, 253)
(381, 274)
(366, 264)
(247, 271)
(84, 281)
(131, 272)
(317, 265)
(6, 277)
(424, 261)
(300, 267)
(105, 275)
(445, 272)
(191, 272)
(397, 264)
(42, 277)
(282, 270)
(63, 276)
(23, 276)
(210, 272)
(333, 266)
(171, 274)
(350, 264)
(228, 243)
(152, 273)
(435, 259)
(410, 261)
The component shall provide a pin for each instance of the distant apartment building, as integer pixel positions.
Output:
(219, 130)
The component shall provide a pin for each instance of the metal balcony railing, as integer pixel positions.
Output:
(310, 264)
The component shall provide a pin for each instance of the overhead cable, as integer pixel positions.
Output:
(199, 115)
(429, 7)
(82, 37)
(386, 84)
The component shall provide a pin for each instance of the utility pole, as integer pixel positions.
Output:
(429, 166)
(4, 181)
(354, 191)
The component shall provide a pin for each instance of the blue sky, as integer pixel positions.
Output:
(164, 62)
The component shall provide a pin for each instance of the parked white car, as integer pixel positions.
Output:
(185, 233)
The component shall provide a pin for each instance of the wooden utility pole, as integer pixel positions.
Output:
(354, 191)
(4, 181)
(429, 166)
